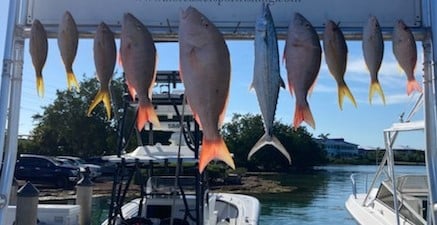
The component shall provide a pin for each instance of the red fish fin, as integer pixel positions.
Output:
(375, 86)
(132, 91)
(146, 113)
(197, 118)
(413, 85)
(40, 85)
(71, 81)
(102, 95)
(214, 149)
(343, 90)
(303, 114)
(119, 60)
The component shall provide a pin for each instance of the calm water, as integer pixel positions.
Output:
(319, 199)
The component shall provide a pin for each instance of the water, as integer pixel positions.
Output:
(319, 199)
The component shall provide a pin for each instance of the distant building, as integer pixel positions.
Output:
(338, 148)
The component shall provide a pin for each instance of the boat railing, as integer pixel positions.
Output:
(354, 186)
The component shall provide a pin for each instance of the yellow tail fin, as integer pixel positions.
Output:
(303, 113)
(343, 90)
(40, 85)
(375, 86)
(146, 113)
(214, 149)
(71, 81)
(102, 95)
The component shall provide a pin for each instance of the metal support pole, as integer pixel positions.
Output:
(11, 140)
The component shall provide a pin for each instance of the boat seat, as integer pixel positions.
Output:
(176, 221)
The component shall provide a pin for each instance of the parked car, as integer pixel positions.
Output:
(95, 170)
(45, 169)
(108, 168)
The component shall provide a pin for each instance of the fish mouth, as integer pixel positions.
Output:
(186, 12)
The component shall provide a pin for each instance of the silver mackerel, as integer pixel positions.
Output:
(267, 79)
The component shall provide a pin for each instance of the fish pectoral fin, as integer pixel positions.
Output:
(214, 150)
(132, 91)
(269, 140)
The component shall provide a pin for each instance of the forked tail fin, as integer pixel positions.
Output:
(40, 85)
(214, 149)
(71, 81)
(146, 113)
(343, 90)
(375, 86)
(301, 114)
(413, 85)
(269, 140)
(102, 95)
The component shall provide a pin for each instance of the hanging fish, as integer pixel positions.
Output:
(335, 48)
(138, 56)
(373, 50)
(205, 71)
(38, 47)
(105, 55)
(267, 79)
(302, 56)
(68, 39)
(405, 51)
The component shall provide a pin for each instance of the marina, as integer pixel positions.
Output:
(171, 185)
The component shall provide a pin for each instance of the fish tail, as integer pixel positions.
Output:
(303, 113)
(40, 85)
(214, 149)
(146, 113)
(102, 95)
(272, 140)
(343, 90)
(413, 85)
(71, 81)
(375, 86)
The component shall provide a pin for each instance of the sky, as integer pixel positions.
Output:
(363, 125)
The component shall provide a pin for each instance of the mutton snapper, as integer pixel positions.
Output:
(267, 79)
(205, 71)
(405, 51)
(373, 51)
(105, 55)
(38, 47)
(138, 57)
(335, 49)
(68, 40)
(302, 56)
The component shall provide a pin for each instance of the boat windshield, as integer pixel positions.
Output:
(412, 197)
(166, 184)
